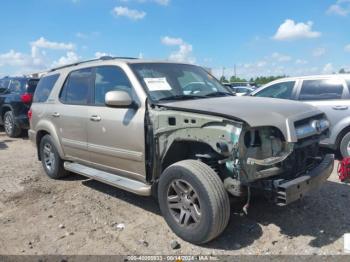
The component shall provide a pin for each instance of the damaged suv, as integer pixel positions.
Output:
(172, 130)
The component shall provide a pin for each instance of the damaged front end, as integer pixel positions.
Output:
(243, 156)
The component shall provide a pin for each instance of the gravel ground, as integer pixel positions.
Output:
(80, 216)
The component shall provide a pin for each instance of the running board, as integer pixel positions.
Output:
(127, 184)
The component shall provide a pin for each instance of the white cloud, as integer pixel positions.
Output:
(320, 51)
(101, 54)
(166, 40)
(280, 57)
(43, 43)
(301, 62)
(328, 68)
(183, 54)
(132, 14)
(337, 10)
(347, 48)
(341, 8)
(290, 30)
(70, 58)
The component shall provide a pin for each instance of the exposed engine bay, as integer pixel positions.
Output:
(240, 154)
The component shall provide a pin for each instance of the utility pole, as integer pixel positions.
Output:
(235, 71)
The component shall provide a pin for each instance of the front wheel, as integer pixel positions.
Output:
(193, 201)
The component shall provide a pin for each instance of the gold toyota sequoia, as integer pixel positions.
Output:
(172, 130)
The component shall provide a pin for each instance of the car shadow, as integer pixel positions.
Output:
(147, 203)
(322, 215)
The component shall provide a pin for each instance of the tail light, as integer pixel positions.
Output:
(30, 114)
(26, 98)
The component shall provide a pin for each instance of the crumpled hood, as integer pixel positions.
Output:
(255, 111)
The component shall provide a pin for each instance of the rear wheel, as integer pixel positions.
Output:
(50, 159)
(193, 201)
(344, 146)
(11, 126)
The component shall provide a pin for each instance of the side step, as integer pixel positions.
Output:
(127, 184)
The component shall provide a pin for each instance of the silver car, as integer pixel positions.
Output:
(330, 93)
(173, 130)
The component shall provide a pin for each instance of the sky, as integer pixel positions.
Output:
(258, 38)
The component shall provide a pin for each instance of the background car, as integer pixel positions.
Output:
(16, 95)
(330, 93)
(242, 90)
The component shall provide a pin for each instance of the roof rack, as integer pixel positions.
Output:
(102, 58)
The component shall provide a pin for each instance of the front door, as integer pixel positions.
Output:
(116, 139)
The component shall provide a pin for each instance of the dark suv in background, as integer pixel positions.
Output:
(16, 95)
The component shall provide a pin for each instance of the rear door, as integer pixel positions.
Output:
(71, 114)
(116, 138)
(329, 95)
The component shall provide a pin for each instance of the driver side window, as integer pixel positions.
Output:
(282, 90)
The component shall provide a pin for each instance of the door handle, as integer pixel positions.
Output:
(56, 114)
(340, 107)
(95, 118)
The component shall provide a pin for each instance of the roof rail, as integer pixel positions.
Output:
(102, 58)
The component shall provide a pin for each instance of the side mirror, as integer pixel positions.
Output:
(118, 99)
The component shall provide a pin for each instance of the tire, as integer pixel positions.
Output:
(208, 195)
(344, 146)
(11, 126)
(50, 159)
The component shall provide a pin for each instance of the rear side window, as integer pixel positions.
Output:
(282, 90)
(77, 87)
(44, 88)
(323, 89)
(109, 78)
(348, 83)
(31, 85)
(18, 86)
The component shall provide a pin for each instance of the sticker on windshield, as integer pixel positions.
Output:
(157, 84)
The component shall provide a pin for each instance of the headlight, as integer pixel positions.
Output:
(313, 127)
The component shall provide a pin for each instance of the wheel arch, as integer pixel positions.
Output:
(186, 149)
(43, 128)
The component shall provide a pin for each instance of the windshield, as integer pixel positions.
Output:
(167, 81)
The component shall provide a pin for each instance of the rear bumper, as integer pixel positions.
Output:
(292, 190)
(22, 121)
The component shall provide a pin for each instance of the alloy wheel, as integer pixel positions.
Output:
(49, 157)
(183, 203)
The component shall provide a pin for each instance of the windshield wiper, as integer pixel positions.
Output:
(218, 94)
(180, 97)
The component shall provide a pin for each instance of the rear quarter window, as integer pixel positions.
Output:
(348, 83)
(44, 88)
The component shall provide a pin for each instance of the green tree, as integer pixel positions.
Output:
(223, 79)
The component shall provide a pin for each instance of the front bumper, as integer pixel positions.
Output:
(292, 190)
